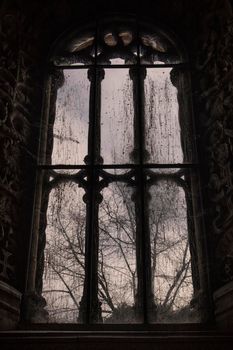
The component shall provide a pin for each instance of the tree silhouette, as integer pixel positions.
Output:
(64, 270)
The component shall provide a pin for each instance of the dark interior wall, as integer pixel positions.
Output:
(27, 31)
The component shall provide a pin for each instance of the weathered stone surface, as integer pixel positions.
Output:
(9, 306)
(214, 85)
(18, 92)
(223, 299)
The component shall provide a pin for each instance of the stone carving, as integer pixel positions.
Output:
(215, 102)
(15, 113)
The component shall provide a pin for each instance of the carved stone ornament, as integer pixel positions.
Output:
(215, 104)
(17, 93)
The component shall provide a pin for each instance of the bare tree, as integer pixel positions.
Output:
(117, 274)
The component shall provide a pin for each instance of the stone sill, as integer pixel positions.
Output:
(70, 340)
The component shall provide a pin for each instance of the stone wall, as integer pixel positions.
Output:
(214, 108)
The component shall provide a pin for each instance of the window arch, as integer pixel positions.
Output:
(116, 191)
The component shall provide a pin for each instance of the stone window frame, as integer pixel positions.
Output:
(33, 287)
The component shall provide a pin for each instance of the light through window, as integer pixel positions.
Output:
(117, 217)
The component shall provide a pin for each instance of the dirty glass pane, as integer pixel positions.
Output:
(167, 171)
(70, 128)
(74, 59)
(64, 253)
(65, 171)
(162, 127)
(117, 255)
(117, 113)
(119, 171)
(172, 284)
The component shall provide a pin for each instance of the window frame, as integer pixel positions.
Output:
(43, 167)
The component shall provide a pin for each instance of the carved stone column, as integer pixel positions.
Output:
(213, 76)
(17, 105)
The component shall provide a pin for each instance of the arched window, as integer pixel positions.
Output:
(117, 229)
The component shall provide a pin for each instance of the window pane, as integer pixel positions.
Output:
(117, 114)
(64, 253)
(65, 172)
(117, 255)
(172, 284)
(74, 59)
(70, 129)
(162, 127)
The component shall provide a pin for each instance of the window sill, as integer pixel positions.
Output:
(130, 340)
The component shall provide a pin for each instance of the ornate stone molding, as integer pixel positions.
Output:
(215, 104)
(19, 99)
(17, 94)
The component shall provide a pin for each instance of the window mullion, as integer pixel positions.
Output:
(90, 311)
(137, 201)
(149, 305)
(144, 293)
(143, 189)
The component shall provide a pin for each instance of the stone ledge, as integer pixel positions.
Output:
(27, 340)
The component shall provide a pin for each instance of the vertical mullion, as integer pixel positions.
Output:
(94, 141)
(95, 199)
(145, 239)
(90, 311)
(90, 198)
(140, 304)
(137, 155)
